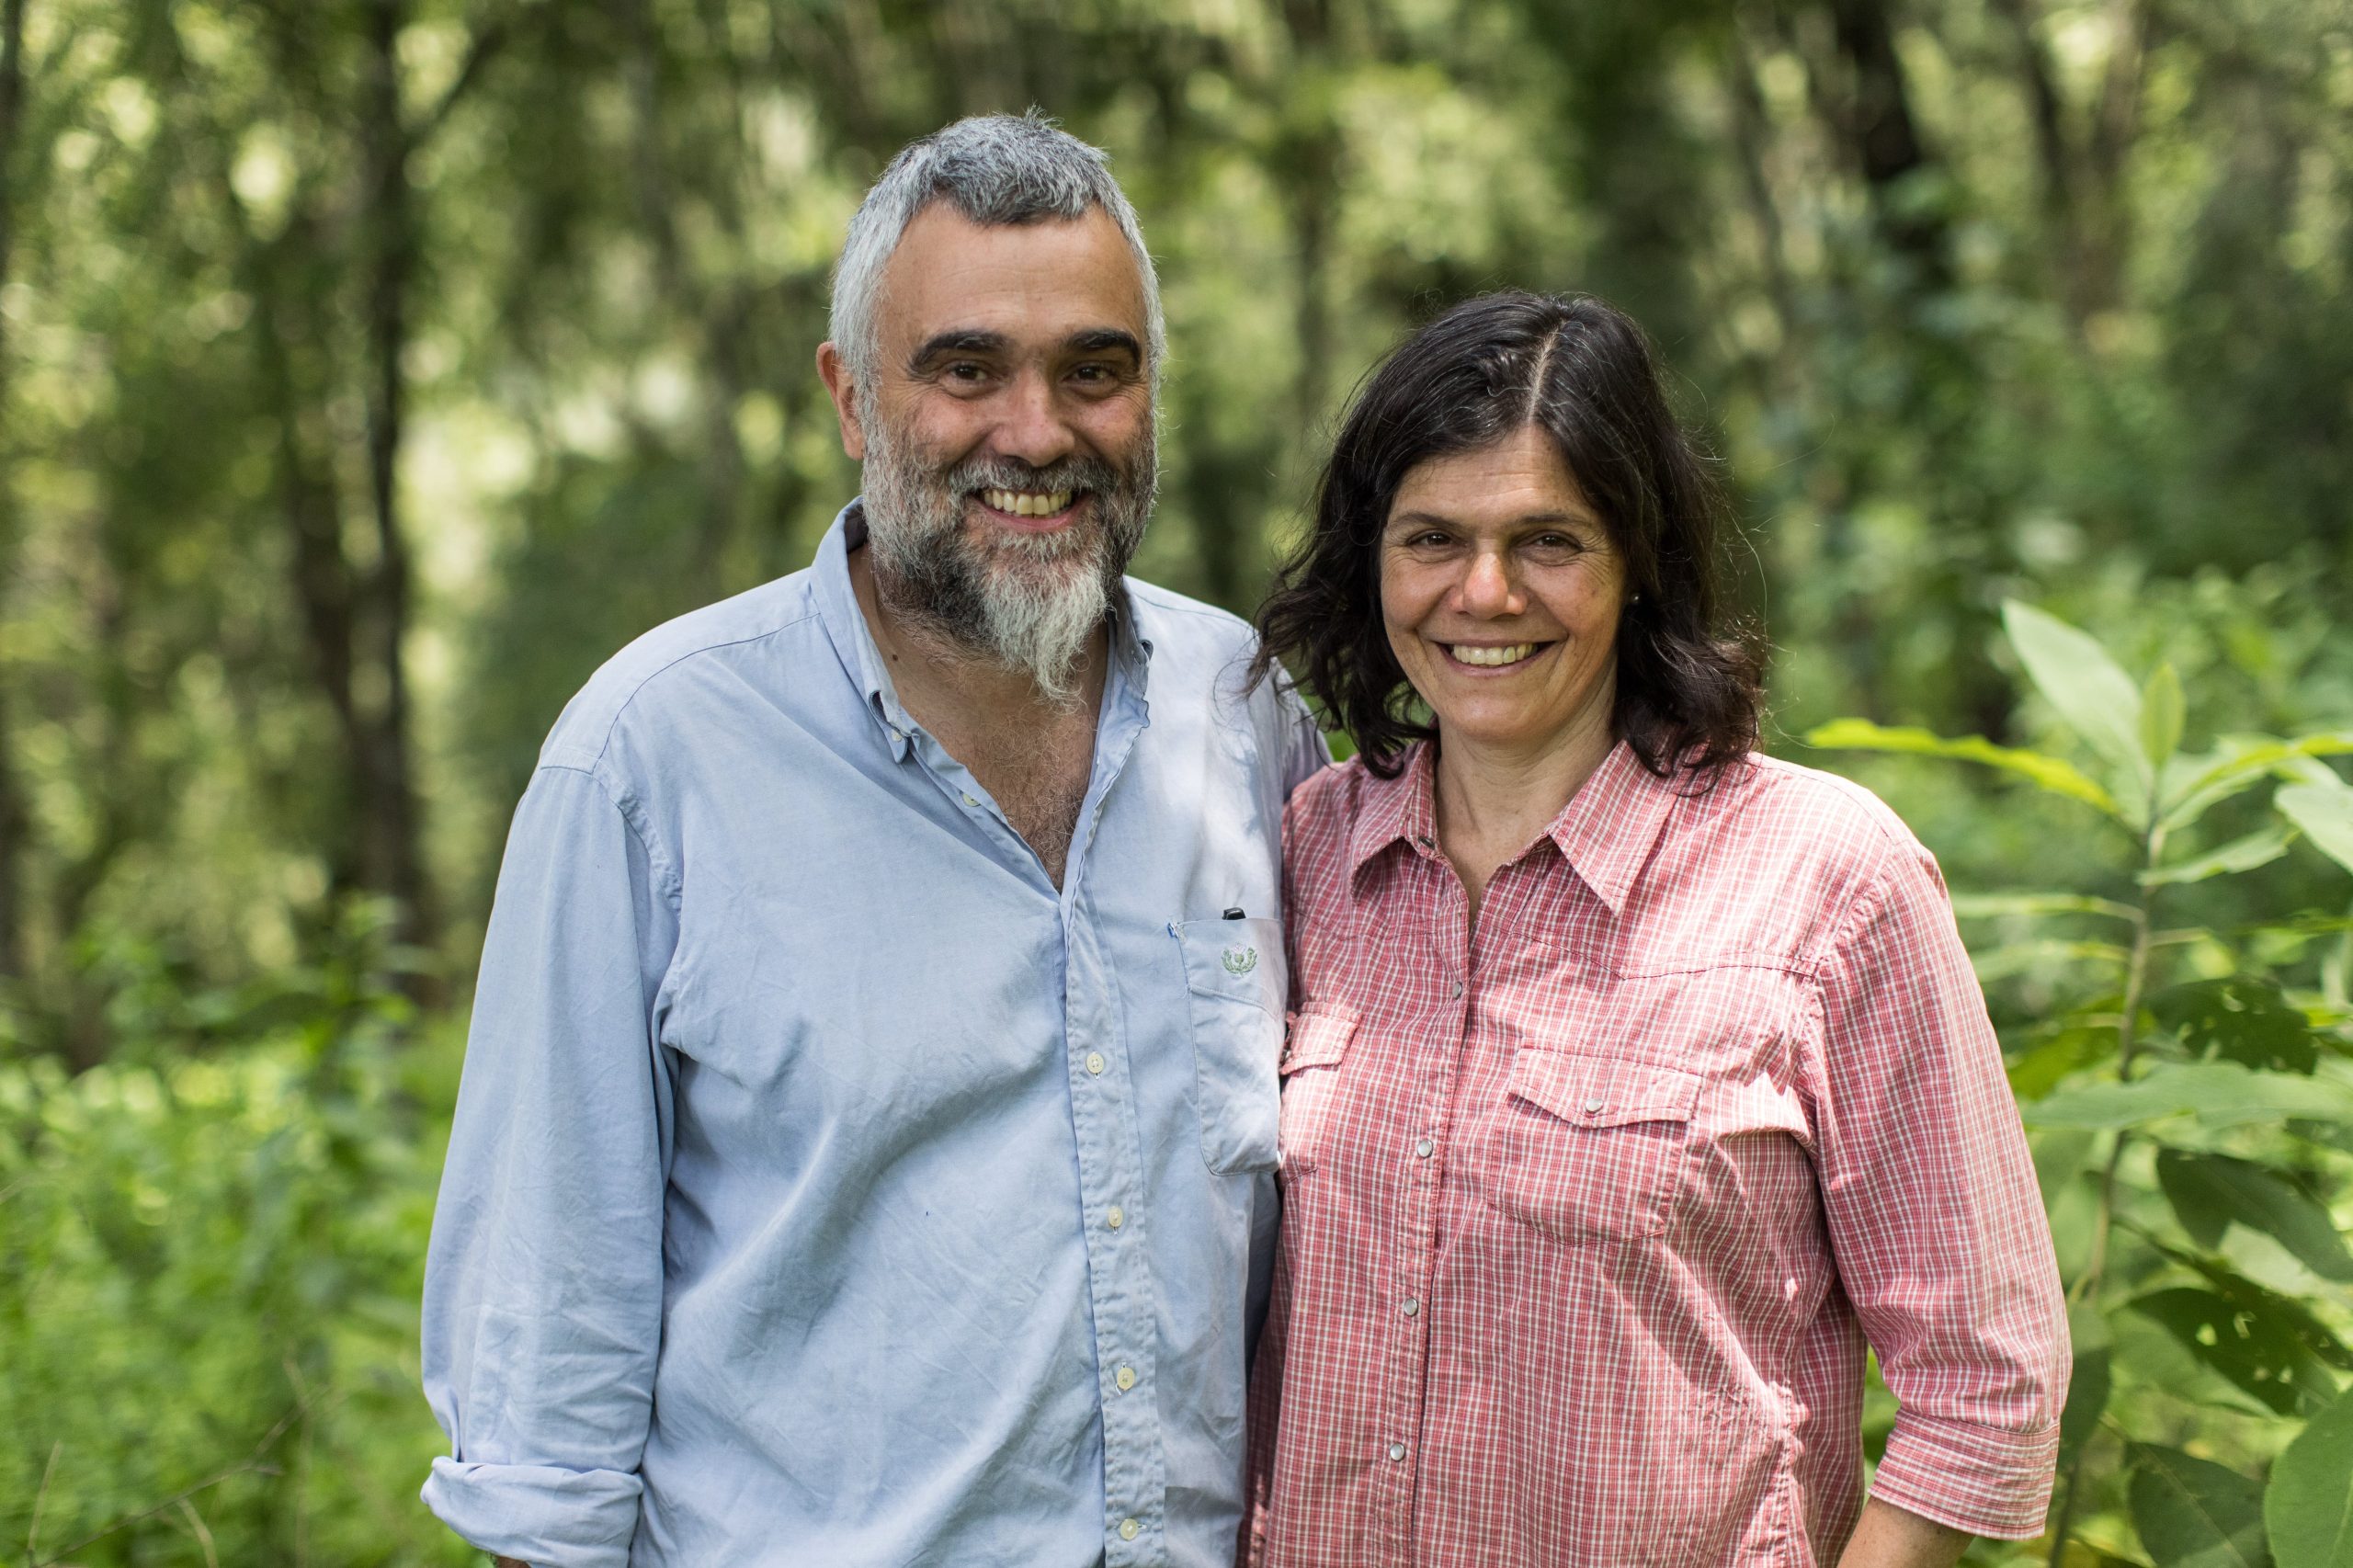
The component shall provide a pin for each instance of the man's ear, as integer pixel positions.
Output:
(834, 371)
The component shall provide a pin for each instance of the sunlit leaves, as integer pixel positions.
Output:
(2260, 847)
(2238, 763)
(2162, 713)
(2054, 774)
(2255, 1340)
(2086, 687)
(2218, 1094)
(2325, 813)
(2308, 1508)
(2242, 1019)
(2210, 1192)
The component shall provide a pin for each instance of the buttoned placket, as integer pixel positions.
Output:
(1110, 1155)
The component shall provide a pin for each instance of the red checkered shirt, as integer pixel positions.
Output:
(1590, 1214)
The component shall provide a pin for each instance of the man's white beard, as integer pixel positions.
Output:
(1030, 602)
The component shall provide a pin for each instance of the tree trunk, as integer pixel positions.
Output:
(389, 845)
(14, 819)
(1874, 119)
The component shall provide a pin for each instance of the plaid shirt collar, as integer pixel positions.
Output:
(1605, 832)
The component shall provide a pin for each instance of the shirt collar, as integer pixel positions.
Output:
(1605, 832)
(862, 660)
(1610, 825)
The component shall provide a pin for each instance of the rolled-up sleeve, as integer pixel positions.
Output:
(543, 1281)
(1934, 1215)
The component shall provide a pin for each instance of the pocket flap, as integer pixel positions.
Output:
(1601, 1091)
(1242, 959)
(1318, 1038)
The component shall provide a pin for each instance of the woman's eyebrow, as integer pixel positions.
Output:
(1525, 519)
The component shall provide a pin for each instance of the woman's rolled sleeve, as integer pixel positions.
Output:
(543, 1282)
(1934, 1216)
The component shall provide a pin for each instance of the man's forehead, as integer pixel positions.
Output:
(1044, 280)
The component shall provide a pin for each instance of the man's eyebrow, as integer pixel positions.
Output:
(959, 340)
(1097, 340)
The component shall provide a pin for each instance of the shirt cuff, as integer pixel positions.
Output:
(546, 1516)
(1980, 1478)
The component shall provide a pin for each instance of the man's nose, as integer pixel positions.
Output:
(1033, 427)
(1487, 588)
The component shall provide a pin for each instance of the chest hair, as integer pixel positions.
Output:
(1037, 775)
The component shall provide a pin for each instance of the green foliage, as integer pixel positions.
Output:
(369, 372)
(2189, 1097)
(207, 1304)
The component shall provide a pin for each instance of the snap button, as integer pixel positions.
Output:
(1595, 1108)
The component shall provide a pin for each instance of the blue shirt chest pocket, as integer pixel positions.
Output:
(1234, 981)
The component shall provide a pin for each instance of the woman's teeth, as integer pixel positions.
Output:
(1510, 655)
(1028, 503)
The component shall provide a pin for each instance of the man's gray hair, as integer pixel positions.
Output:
(995, 169)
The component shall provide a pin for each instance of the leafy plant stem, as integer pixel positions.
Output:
(2128, 1039)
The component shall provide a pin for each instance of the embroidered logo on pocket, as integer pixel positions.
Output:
(1239, 961)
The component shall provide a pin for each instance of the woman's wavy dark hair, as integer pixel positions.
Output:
(1688, 684)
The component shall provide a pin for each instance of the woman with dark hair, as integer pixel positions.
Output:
(1638, 1083)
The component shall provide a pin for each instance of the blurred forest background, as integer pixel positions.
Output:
(371, 370)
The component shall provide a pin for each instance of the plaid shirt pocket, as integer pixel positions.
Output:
(1586, 1147)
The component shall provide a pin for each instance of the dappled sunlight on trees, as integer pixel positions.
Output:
(371, 369)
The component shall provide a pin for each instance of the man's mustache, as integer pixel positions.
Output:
(1009, 473)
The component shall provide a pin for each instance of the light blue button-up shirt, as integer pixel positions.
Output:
(826, 1187)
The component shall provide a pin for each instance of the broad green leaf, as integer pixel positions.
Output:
(2244, 1018)
(1994, 905)
(2219, 1094)
(2256, 1349)
(2162, 711)
(2043, 1065)
(2209, 1192)
(2291, 1314)
(2054, 774)
(2260, 847)
(2088, 1388)
(2238, 763)
(2195, 1514)
(2325, 813)
(2095, 698)
(2308, 1507)
(1996, 963)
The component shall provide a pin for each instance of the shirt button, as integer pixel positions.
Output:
(1425, 841)
(1595, 1108)
(1458, 988)
(1116, 1218)
(970, 801)
(1396, 1450)
(1425, 1149)
(1125, 1378)
(1129, 1529)
(1095, 1062)
(1412, 1307)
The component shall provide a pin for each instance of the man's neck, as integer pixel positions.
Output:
(1032, 754)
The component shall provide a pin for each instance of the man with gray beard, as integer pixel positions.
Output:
(865, 1153)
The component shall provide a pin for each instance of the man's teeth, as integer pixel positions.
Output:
(1510, 655)
(1028, 503)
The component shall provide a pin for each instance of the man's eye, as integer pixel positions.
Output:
(966, 370)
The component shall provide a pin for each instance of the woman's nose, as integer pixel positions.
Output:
(1487, 588)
